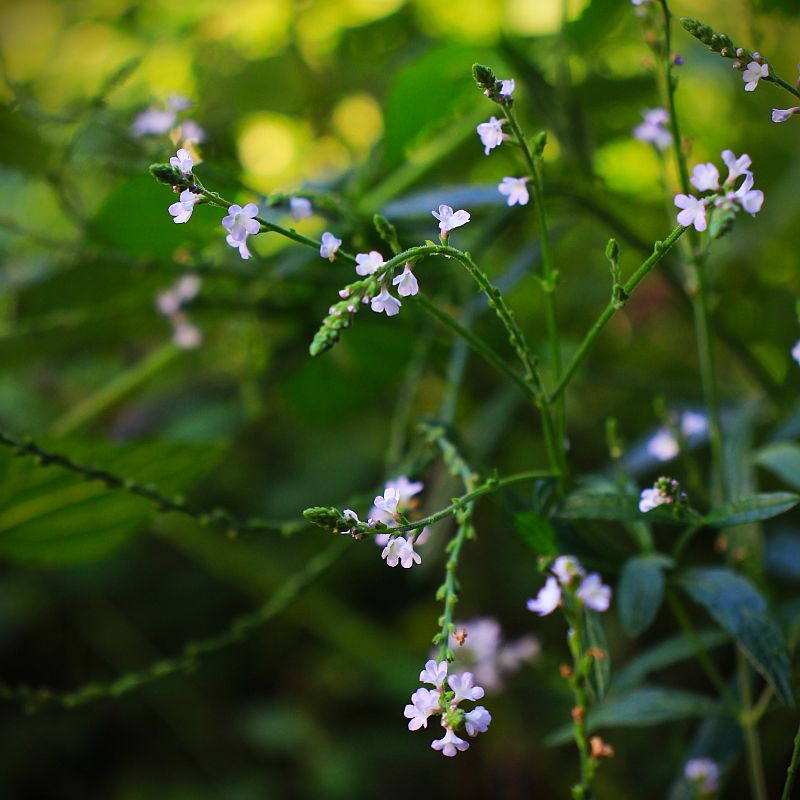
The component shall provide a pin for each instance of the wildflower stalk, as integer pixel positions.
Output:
(37, 699)
(794, 766)
(660, 249)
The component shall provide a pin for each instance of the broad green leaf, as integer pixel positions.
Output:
(751, 509)
(595, 636)
(593, 504)
(739, 608)
(49, 516)
(664, 654)
(781, 459)
(537, 532)
(642, 708)
(640, 592)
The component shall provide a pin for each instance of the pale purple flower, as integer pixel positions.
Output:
(693, 424)
(507, 87)
(168, 302)
(190, 132)
(449, 219)
(464, 687)
(182, 161)
(424, 702)
(178, 102)
(404, 488)
(386, 504)
(654, 128)
(783, 114)
(434, 673)
(548, 599)
(182, 210)
(329, 245)
(240, 222)
(594, 593)
(187, 287)
(300, 208)
(650, 499)
(515, 189)
(663, 446)
(750, 199)
(704, 772)
(385, 302)
(736, 166)
(368, 263)
(184, 334)
(565, 568)
(694, 211)
(477, 721)
(399, 550)
(153, 121)
(351, 517)
(753, 74)
(796, 352)
(705, 178)
(244, 251)
(450, 744)
(406, 283)
(491, 133)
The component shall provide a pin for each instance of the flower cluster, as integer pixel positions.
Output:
(724, 200)
(515, 189)
(704, 774)
(443, 701)
(182, 210)
(665, 491)
(654, 128)
(483, 652)
(664, 445)
(569, 578)
(170, 304)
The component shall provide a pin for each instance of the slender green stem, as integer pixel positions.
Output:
(755, 761)
(794, 766)
(786, 85)
(218, 518)
(577, 682)
(36, 699)
(659, 251)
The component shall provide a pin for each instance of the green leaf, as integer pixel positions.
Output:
(537, 532)
(642, 708)
(739, 608)
(664, 654)
(781, 459)
(49, 516)
(751, 509)
(595, 636)
(594, 504)
(639, 594)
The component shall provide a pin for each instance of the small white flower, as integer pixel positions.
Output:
(464, 687)
(386, 504)
(515, 189)
(424, 702)
(594, 593)
(736, 166)
(177, 102)
(796, 352)
(704, 772)
(449, 220)
(450, 744)
(705, 177)
(694, 211)
(491, 133)
(240, 222)
(663, 446)
(351, 517)
(750, 199)
(300, 208)
(477, 721)
(184, 334)
(384, 302)
(189, 132)
(650, 499)
(368, 263)
(182, 161)
(329, 245)
(783, 114)
(548, 599)
(565, 568)
(753, 74)
(434, 673)
(653, 129)
(404, 488)
(400, 550)
(188, 287)
(693, 424)
(182, 210)
(507, 87)
(244, 252)
(406, 283)
(152, 122)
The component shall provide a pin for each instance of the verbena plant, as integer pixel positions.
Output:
(560, 514)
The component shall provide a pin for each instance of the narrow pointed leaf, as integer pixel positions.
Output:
(751, 509)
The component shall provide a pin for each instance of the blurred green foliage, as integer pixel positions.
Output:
(371, 101)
